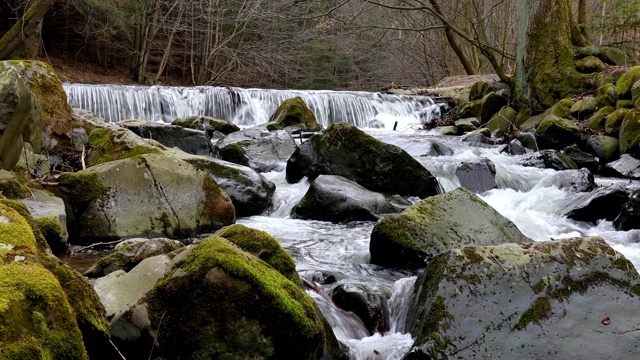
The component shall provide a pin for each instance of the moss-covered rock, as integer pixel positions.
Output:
(597, 120)
(108, 144)
(466, 125)
(343, 149)
(549, 159)
(467, 110)
(556, 133)
(630, 133)
(619, 56)
(151, 195)
(589, 64)
(606, 95)
(193, 141)
(36, 319)
(210, 124)
(626, 81)
(614, 121)
(624, 104)
(527, 300)
(635, 92)
(606, 148)
(49, 214)
(502, 120)
(438, 224)
(478, 90)
(296, 114)
(217, 301)
(584, 108)
(263, 246)
(491, 104)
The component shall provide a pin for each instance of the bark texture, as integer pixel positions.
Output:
(28, 27)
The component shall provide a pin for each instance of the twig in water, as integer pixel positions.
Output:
(499, 263)
(115, 347)
(155, 336)
(97, 244)
(84, 165)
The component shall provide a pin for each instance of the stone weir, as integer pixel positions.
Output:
(248, 106)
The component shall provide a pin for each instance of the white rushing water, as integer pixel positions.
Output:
(338, 254)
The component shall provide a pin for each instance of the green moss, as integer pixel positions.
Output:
(539, 310)
(235, 152)
(295, 113)
(626, 81)
(597, 120)
(109, 145)
(84, 185)
(624, 104)
(351, 139)
(472, 256)
(289, 299)
(262, 245)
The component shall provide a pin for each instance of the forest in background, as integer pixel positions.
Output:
(307, 44)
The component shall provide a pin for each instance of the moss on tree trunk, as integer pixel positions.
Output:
(546, 34)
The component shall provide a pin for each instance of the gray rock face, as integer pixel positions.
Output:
(629, 217)
(21, 118)
(188, 140)
(568, 299)
(337, 199)
(147, 195)
(551, 159)
(49, 213)
(210, 124)
(477, 176)
(581, 158)
(131, 252)
(438, 224)
(257, 148)
(603, 203)
(365, 300)
(345, 150)
(572, 180)
(627, 166)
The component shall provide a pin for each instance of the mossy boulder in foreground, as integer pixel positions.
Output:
(343, 149)
(556, 133)
(296, 114)
(568, 299)
(439, 224)
(218, 301)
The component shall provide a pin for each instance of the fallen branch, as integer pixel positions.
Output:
(84, 165)
(499, 263)
(119, 353)
(97, 244)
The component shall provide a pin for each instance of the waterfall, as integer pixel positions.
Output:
(248, 106)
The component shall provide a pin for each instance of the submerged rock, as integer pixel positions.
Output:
(568, 299)
(344, 150)
(477, 176)
(438, 224)
(213, 300)
(337, 199)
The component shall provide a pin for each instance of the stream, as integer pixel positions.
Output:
(334, 255)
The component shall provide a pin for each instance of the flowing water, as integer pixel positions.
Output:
(338, 254)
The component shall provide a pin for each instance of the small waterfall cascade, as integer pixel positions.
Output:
(249, 106)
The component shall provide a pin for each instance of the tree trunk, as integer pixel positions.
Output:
(25, 28)
(545, 71)
(582, 17)
(468, 68)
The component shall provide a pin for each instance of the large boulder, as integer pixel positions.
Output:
(626, 81)
(491, 104)
(606, 148)
(212, 300)
(50, 215)
(629, 217)
(188, 140)
(210, 124)
(581, 158)
(109, 144)
(614, 122)
(584, 108)
(20, 118)
(129, 253)
(295, 113)
(367, 300)
(602, 203)
(343, 149)
(477, 176)
(438, 224)
(574, 298)
(606, 95)
(258, 148)
(337, 199)
(630, 133)
(555, 133)
(626, 166)
(151, 195)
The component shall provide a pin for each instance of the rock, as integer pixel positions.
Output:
(557, 307)
(478, 90)
(296, 114)
(614, 121)
(630, 133)
(502, 120)
(152, 195)
(581, 158)
(629, 217)
(129, 253)
(467, 125)
(337, 199)
(584, 108)
(438, 224)
(38, 164)
(515, 148)
(214, 300)
(257, 148)
(48, 211)
(250, 192)
(571, 180)
(491, 104)
(477, 176)
(467, 110)
(589, 65)
(602, 203)
(480, 136)
(263, 246)
(606, 95)
(367, 301)
(556, 133)
(14, 185)
(447, 130)
(635, 91)
(604, 147)
(550, 159)
(20, 118)
(626, 166)
(188, 140)
(210, 124)
(626, 81)
(597, 120)
(39, 318)
(624, 104)
(344, 150)
(561, 109)
(109, 144)
(528, 140)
